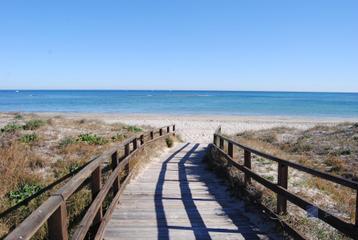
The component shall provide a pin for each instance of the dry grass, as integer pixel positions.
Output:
(331, 149)
(57, 149)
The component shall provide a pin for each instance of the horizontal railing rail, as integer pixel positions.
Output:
(280, 188)
(53, 210)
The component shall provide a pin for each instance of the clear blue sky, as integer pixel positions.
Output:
(295, 45)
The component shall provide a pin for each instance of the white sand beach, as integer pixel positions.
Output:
(199, 128)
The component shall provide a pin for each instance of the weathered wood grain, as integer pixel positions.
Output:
(175, 197)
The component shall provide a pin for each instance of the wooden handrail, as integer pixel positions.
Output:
(336, 179)
(281, 187)
(53, 210)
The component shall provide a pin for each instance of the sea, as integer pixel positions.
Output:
(245, 103)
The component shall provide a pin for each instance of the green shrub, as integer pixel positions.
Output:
(169, 141)
(134, 129)
(66, 141)
(73, 167)
(18, 116)
(22, 192)
(11, 128)
(34, 124)
(29, 138)
(345, 152)
(91, 139)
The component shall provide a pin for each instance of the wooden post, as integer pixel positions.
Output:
(221, 143)
(152, 135)
(247, 163)
(96, 185)
(356, 222)
(282, 181)
(126, 150)
(141, 138)
(230, 150)
(160, 132)
(57, 224)
(168, 129)
(114, 164)
(135, 144)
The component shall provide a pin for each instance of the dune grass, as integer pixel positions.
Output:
(35, 151)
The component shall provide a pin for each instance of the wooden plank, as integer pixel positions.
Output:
(49, 209)
(156, 206)
(282, 181)
(300, 167)
(221, 143)
(356, 213)
(36, 219)
(247, 163)
(57, 224)
(346, 228)
(114, 164)
(87, 220)
(230, 150)
(96, 185)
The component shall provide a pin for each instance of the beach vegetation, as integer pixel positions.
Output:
(22, 192)
(11, 128)
(66, 141)
(328, 148)
(34, 124)
(29, 138)
(134, 129)
(92, 139)
(18, 116)
(169, 141)
(63, 146)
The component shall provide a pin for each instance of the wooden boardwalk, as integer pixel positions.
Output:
(175, 197)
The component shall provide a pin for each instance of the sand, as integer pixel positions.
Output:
(200, 128)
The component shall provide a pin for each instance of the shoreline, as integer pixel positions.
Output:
(195, 128)
(222, 117)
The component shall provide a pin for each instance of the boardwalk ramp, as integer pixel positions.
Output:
(176, 197)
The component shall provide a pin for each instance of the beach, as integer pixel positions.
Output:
(200, 128)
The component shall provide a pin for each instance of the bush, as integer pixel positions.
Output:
(73, 167)
(34, 124)
(18, 116)
(91, 139)
(11, 128)
(29, 138)
(134, 129)
(24, 191)
(66, 141)
(169, 141)
(345, 152)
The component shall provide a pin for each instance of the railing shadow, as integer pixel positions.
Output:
(198, 227)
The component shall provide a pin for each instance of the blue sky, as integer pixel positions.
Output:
(293, 45)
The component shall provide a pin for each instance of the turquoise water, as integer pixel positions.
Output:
(183, 102)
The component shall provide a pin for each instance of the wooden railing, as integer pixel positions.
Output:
(53, 210)
(280, 188)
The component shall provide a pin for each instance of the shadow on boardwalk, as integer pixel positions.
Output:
(191, 170)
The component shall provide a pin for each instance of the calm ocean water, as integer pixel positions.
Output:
(183, 102)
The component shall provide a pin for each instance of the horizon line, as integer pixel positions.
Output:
(178, 90)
